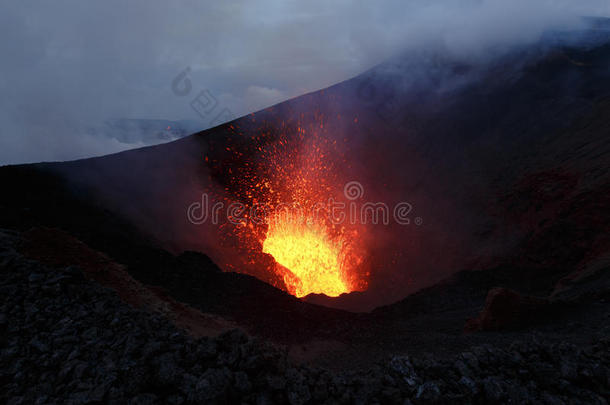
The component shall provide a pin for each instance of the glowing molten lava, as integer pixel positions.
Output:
(291, 166)
(312, 258)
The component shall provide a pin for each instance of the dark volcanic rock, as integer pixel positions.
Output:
(68, 340)
(507, 309)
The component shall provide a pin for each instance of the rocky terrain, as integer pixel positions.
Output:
(110, 294)
(66, 339)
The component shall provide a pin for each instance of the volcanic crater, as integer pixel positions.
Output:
(499, 258)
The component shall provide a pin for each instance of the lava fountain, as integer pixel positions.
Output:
(287, 180)
(314, 261)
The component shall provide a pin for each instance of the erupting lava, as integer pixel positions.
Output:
(314, 261)
(293, 167)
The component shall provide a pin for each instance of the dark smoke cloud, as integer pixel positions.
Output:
(70, 66)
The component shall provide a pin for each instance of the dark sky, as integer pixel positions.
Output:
(68, 66)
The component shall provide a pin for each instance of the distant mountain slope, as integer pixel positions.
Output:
(145, 131)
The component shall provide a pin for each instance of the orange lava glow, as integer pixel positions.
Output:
(293, 166)
(313, 259)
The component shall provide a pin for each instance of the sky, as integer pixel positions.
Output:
(67, 67)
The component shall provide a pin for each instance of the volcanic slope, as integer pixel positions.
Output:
(506, 162)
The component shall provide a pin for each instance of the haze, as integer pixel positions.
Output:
(69, 66)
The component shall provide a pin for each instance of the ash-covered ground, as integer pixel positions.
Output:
(67, 339)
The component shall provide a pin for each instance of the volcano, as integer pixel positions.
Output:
(472, 207)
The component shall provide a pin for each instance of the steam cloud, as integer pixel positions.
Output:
(69, 66)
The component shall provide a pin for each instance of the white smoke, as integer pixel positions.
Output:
(68, 65)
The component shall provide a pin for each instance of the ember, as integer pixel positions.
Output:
(314, 254)
(299, 171)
